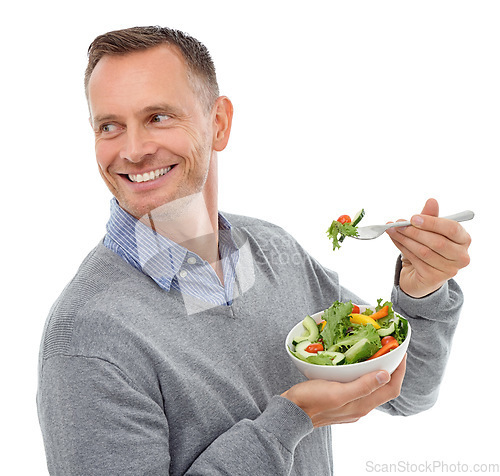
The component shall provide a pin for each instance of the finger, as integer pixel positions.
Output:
(430, 266)
(450, 229)
(434, 249)
(431, 247)
(398, 375)
(398, 238)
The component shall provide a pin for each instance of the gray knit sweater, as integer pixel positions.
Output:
(135, 381)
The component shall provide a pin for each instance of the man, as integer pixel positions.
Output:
(163, 355)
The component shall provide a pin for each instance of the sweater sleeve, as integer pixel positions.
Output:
(433, 320)
(96, 422)
(263, 446)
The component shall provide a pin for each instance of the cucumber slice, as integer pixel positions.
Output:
(313, 332)
(360, 351)
(298, 339)
(337, 357)
(300, 348)
(386, 331)
(357, 218)
(355, 221)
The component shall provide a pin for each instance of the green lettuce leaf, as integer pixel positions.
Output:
(401, 329)
(318, 359)
(337, 230)
(337, 322)
(357, 333)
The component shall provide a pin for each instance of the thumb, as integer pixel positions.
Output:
(365, 385)
(431, 208)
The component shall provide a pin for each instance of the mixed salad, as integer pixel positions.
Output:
(346, 335)
(343, 226)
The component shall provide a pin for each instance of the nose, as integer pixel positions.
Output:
(137, 145)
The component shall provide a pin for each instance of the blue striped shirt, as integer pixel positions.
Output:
(169, 264)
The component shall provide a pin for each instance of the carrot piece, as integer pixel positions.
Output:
(381, 313)
(385, 349)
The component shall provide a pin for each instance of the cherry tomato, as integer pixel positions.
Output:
(344, 219)
(355, 309)
(314, 348)
(387, 339)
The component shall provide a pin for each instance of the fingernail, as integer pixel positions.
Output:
(382, 377)
(417, 220)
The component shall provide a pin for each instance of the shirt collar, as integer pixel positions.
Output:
(155, 255)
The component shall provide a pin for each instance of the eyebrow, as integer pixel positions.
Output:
(160, 107)
(104, 118)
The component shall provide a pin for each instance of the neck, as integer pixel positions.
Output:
(192, 223)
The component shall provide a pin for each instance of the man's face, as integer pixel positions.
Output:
(153, 139)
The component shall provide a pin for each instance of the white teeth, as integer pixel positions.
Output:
(146, 177)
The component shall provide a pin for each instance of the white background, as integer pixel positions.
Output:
(338, 106)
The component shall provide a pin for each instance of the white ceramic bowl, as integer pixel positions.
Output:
(348, 372)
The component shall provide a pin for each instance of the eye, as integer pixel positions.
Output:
(107, 128)
(160, 118)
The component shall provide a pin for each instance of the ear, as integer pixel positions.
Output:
(222, 120)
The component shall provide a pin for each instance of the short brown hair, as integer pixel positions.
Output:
(201, 69)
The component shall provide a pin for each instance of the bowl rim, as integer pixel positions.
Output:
(344, 366)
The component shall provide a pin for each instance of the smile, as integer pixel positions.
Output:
(148, 176)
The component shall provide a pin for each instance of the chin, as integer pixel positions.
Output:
(164, 208)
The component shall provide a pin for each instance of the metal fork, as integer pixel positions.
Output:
(374, 231)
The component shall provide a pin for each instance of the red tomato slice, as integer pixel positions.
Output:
(387, 339)
(344, 219)
(314, 348)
